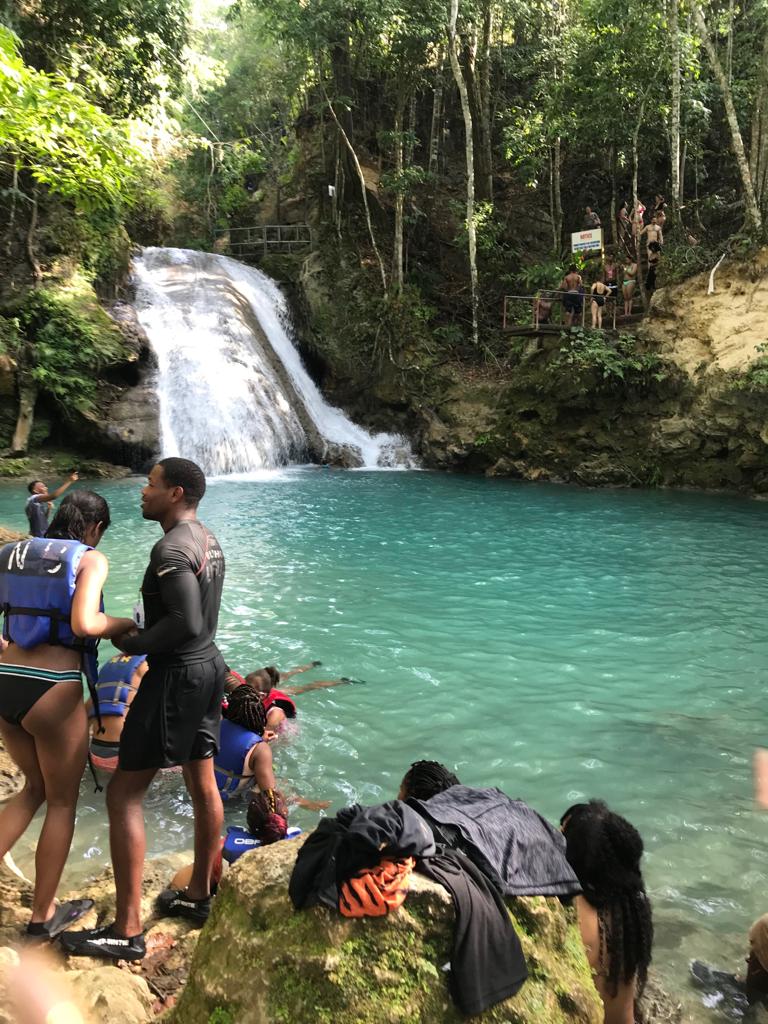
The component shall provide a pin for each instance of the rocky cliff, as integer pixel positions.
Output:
(681, 402)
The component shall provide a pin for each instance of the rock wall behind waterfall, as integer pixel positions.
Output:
(233, 392)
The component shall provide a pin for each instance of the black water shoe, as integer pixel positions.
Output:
(65, 915)
(722, 991)
(105, 943)
(177, 903)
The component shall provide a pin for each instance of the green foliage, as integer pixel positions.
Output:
(755, 378)
(594, 355)
(221, 1016)
(60, 340)
(50, 129)
(125, 54)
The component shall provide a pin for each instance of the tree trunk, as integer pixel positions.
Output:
(556, 163)
(486, 134)
(754, 217)
(25, 418)
(363, 190)
(614, 238)
(37, 273)
(397, 256)
(481, 129)
(461, 85)
(674, 129)
(758, 146)
(437, 105)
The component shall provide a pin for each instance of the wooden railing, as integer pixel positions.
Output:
(261, 239)
(613, 312)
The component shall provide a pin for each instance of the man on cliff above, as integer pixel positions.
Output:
(37, 507)
(175, 717)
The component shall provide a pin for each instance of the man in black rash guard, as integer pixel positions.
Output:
(176, 715)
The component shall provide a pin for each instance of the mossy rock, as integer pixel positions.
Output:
(260, 962)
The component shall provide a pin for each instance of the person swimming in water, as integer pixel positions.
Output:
(279, 703)
(614, 911)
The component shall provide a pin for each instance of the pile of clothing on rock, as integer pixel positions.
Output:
(478, 843)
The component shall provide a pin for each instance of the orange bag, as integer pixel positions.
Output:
(373, 893)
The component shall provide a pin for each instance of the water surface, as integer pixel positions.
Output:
(559, 643)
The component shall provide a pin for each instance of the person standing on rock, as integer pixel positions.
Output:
(37, 507)
(175, 718)
(50, 592)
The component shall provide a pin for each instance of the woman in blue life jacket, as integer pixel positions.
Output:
(117, 685)
(244, 759)
(50, 596)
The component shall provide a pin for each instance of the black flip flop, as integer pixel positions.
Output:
(64, 915)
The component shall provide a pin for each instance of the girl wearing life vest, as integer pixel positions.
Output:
(50, 597)
(244, 759)
(117, 685)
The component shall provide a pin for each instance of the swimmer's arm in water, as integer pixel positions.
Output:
(183, 620)
(316, 684)
(299, 669)
(310, 805)
(86, 618)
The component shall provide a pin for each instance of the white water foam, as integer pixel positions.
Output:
(221, 402)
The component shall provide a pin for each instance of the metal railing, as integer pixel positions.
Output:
(540, 316)
(261, 239)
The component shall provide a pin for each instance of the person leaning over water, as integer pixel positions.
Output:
(57, 581)
(117, 685)
(279, 703)
(614, 911)
(37, 505)
(175, 717)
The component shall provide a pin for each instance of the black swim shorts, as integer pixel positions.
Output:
(572, 302)
(176, 715)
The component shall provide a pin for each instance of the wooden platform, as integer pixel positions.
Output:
(528, 330)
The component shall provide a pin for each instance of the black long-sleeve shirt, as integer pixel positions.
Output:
(182, 594)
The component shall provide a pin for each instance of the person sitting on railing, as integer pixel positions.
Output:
(573, 299)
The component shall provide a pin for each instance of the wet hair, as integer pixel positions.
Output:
(425, 779)
(76, 513)
(267, 816)
(32, 484)
(268, 676)
(572, 269)
(187, 475)
(245, 707)
(604, 851)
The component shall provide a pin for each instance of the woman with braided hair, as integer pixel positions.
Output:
(425, 779)
(614, 911)
(244, 758)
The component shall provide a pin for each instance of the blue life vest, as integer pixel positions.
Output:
(239, 841)
(114, 683)
(37, 584)
(229, 764)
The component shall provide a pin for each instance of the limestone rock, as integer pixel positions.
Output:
(132, 424)
(111, 996)
(259, 962)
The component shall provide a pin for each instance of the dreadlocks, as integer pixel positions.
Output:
(425, 779)
(605, 851)
(267, 816)
(245, 707)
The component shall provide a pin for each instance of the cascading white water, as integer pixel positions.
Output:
(217, 328)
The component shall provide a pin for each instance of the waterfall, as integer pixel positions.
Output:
(233, 392)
